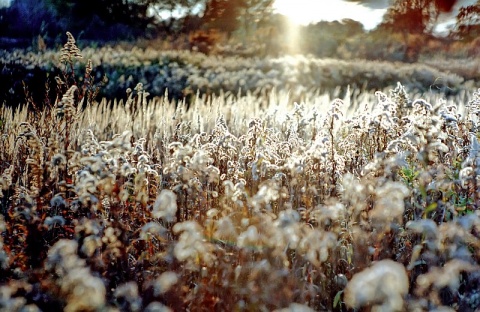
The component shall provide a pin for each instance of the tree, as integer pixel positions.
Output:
(467, 27)
(26, 19)
(232, 15)
(102, 19)
(171, 15)
(222, 14)
(414, 17)
(128, 19)
(184, 6)
(323, 39)
(254, 13)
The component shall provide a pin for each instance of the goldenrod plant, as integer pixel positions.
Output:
(239, 202)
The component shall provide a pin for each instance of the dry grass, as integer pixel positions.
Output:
(240, 203)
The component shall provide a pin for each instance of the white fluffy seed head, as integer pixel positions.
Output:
(165, 206)
(386, 283)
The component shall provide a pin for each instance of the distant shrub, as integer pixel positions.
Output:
(203, 41)
(183, 73)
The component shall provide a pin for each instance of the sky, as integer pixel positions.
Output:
(310, 11)
(367, 12)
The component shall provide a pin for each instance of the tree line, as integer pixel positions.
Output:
(127, 19)
(109, 20)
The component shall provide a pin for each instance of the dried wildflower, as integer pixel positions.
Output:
(56, 221)
(447, 276)
(225, 229)
(65, 109)
(6, 179)
(165, 206)
(4, 259)
(89, 227)
(327, 216)
(384, 284)
(295, 307)
(62, 257)
(157, 307)
(3, 225)
(58, 160)
(164, 282)
(58, 201)
(152, 228)
(249, 238)
(69, 50)
(421, 104)
(428, 228)
(192, 246)
(127, 297)
(82, 290)
(474, 150)
(304, 198)
(267, 193)
(389, 205)
(10, 303)
(316, 245)
(288, 230)
(88, 68)
(110, 235)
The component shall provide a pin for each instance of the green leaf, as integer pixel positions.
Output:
(337, 298)
(431, 207)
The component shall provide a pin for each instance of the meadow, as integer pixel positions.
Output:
(239, 201)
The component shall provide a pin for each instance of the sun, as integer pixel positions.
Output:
(304, 12)
(298, 11)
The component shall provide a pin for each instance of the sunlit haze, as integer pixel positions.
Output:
(308, 11)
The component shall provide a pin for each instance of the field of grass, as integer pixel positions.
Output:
(183, 73)
(242, 202)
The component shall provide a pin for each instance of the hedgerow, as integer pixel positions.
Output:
(183, 73)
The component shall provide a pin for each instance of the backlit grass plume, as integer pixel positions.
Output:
(247, 202)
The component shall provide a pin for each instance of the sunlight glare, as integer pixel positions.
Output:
(304, 12)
